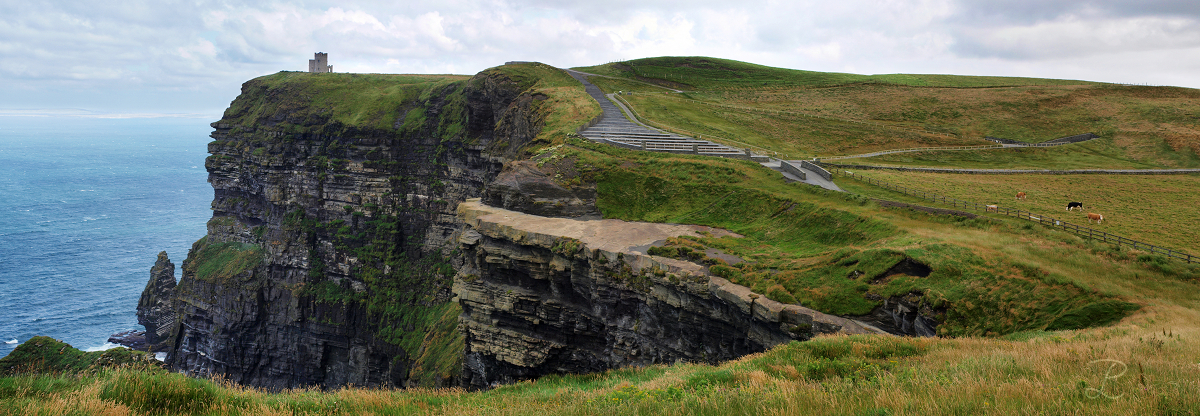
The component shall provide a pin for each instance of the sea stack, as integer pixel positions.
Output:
(154, 308)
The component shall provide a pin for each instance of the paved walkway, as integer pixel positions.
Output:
(810, 177)
(617, 129)
(1001, 144)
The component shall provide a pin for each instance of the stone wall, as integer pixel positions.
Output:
(792, 169)
(1018, 171)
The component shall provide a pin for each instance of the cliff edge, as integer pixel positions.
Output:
(327, 260)
(543, 295)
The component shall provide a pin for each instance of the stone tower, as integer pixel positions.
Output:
(320, 63)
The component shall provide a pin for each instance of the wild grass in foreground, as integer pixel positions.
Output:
(1149, 365)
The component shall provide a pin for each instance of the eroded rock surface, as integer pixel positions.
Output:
(556, 295)
(330, 241)
(154, 309)
(522, 187)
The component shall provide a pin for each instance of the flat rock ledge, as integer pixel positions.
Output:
(545, 295)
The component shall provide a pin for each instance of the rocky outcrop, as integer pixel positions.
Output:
(905, 315)
(154, 309)
(546, 295)
(522, 187)
(327, 260)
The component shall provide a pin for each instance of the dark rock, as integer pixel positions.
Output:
(547, 295)
(301, 187)
(522, 187)
(905, 315)
(132, 339)
(154, 310)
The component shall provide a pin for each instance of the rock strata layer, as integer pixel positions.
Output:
(154, 310)
(555, 295)
(327, 260)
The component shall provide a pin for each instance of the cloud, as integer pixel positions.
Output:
(1071, 36)
(194, 54)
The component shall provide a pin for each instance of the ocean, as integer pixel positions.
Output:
(86, 204)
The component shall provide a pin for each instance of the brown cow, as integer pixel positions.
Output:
(991, 208)
(1020, 195)
(1095, 217)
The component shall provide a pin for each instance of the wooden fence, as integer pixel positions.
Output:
(1076, 229)
(913, 149)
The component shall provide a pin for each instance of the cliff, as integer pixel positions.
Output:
(326, 262)
(543, 295)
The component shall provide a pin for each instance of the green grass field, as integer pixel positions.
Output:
(1154, 209)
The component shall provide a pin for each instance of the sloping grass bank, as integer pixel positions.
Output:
(1147, 367)
(835, 252)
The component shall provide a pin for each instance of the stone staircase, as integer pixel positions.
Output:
(615, 129)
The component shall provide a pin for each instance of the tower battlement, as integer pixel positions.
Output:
(320, 63)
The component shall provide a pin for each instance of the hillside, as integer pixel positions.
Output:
(363, 244)
(802, 114)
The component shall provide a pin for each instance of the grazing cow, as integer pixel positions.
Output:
(1095, 217)
(1071, 205)
(1020, 195)
(991, 208)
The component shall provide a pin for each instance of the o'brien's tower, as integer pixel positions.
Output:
(320, 63)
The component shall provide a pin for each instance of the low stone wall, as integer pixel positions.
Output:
(594, 121)
(1056, 142)
(1020, 171)
(1074, 139)
(816, 168)
(741, 156)
(792, 169)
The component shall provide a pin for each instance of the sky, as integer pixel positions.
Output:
(145, 58)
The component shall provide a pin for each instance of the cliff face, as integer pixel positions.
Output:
(545, 295)
(327, 259)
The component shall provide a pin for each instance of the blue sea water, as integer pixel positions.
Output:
(86, 204)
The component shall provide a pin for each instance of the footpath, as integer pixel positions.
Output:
(618, 127)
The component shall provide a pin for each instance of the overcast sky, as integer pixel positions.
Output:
(190, 57)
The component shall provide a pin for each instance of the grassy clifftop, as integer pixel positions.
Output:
(367, 100)
(40, 355)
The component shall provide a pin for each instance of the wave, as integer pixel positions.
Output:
(104, 347)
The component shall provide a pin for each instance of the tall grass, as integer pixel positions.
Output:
(1145, 366)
